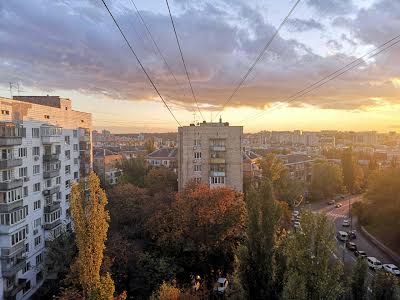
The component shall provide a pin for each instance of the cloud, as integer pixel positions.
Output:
(334, 45)
(299, 25)
(333, 7)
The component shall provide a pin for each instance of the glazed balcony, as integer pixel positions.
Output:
(10, 163)
(11, 184)
(10, 134)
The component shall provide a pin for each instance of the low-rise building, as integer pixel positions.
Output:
(166, 157)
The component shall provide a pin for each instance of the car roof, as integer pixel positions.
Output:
(221, 280)
(391, 265)
(373, 258)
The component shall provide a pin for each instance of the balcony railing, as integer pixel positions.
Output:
(10, 134)
(14, 250)
(10, 163)
(217, 173)
(50, 226)
(46, 140)
(51, 191)
(51, 156)
(11, 270)
(10, 185)
(217, 160)
(218, 148)
(12, 292)
(7, 207)
(52, 207)
(51, 174)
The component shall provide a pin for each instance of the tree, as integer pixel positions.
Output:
(201, 229)
(327, 180)
(133, 171)
(166, 291)
(385, 286)
(90, 217)
(161, 180)
(272, 168)
(257, 256)
(359, 279)
(149, 145)
(308, 252)
(352, 173)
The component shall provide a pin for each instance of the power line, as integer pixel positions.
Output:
(138, 60)
(392, 42)
(156, 46)
(183, 60)
(258, 58)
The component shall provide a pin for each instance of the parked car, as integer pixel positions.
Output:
(374, 263)
(331, 202)
(346, 223)
(221, 285)
(338, 205)
(342, 236)
(295, 213)
(360, 253)
(392, 269)
(352, 234)
(351, 246)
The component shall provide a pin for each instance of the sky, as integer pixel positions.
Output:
(72, 48)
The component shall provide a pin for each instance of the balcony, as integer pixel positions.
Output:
(47, 140)
(50, 226)
(218, 148)
(10, 185)
(51, 174)
(10, 163)
(7, 207)
(10, 134)
(217, 160)
(217, 173)
(10, 270)
(51, 156)
(14, 250)
(84, 138)
(51, 191)
(10, 293)
(52, 207)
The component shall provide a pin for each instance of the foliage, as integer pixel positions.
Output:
(201, 229)
(352, 173)
(257, 256)
(308, 253)
(161, 180)
(359, 280)
(166, 291)
(326, 180)
(149, 145)
(385, 286)
(91, 218)
(133, 171)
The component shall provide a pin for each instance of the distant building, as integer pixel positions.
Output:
(166, 157)
(298, 165)
(105, 164)
(210, 153)
(250, 165)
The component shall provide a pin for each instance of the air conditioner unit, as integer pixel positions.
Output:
(26, 179)
(46, 192)
(36, 158)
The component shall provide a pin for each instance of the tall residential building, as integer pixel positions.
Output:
(45, 146)
(210, 153)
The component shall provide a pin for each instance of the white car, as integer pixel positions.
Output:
(374, 263)
(392, 269)
(295, 213)
(346, 223)
(221, 285)
(342, 236)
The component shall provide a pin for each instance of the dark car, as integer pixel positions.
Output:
(352, 234)
(360, 253)
(351, 246)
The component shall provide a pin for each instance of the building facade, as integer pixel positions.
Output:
(45, 147)
(210, 153)
(163, 157)
(105, 164)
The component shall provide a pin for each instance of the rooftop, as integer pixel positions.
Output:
(53, 101)
(164, 152)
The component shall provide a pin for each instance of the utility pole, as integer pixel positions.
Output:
(11, 89)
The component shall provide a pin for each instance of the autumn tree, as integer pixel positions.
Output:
(385, 286)
(90, 217)
(149, 145)
(359, 280)
(201, 229)
(133, 171)
(166, 291)
(257, 256)
(327, 180)
(161, 180)
(310, 273)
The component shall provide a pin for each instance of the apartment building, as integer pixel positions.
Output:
(210, 153)
(165, 157)
(105, 164)
(45, 146)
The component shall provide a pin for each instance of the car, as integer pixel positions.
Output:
(374, 263)
(296, 224)
(342, 236)
(295, 213)
(360, 254)
(342, 197)
(352, 234)
(392, 269)
(351, 246)
(298, 218)
(346, 223)
(338, 205)
(221, 285)
(331, 202)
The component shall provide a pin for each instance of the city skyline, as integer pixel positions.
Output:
(86, 59)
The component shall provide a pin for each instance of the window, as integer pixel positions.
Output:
(46, 116)
(59, 196)
(48, 183)
(67, 170)
(26, 192)
(37, 222)
(75, 133)
(67, 183)
(38, 240)
(67, 154)
(197, 168)
(22, 152)
(50, 218)
(36, 169)
(75, 161)
(23, 172)
(18, 236)
(76, 175)
(58, 180)
(11, 196)
(67, 139)
(26, 268)
(35, 132)
(39, 259)
(36, 151)
(197, 142)
(14, 217)
(67, 196)
(197, 155)
(76, 147)
(36, 205)
(6, 175)
(5, 112)
(27, 287)
(36, 187)
(217, 180)
(197, 179)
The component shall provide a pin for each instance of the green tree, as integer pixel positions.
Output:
(352, 173)
(133, 171)
(327, 180)
(359, 280)
(309, 266)
(385, 287)
(161, 180)
(257, 256)
(90, 217)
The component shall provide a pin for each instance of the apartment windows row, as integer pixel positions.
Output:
(19, 236)
(197, 168)
(14, 217)
(197, 155)
(50, 218)
(217, 180)
(13, 195)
